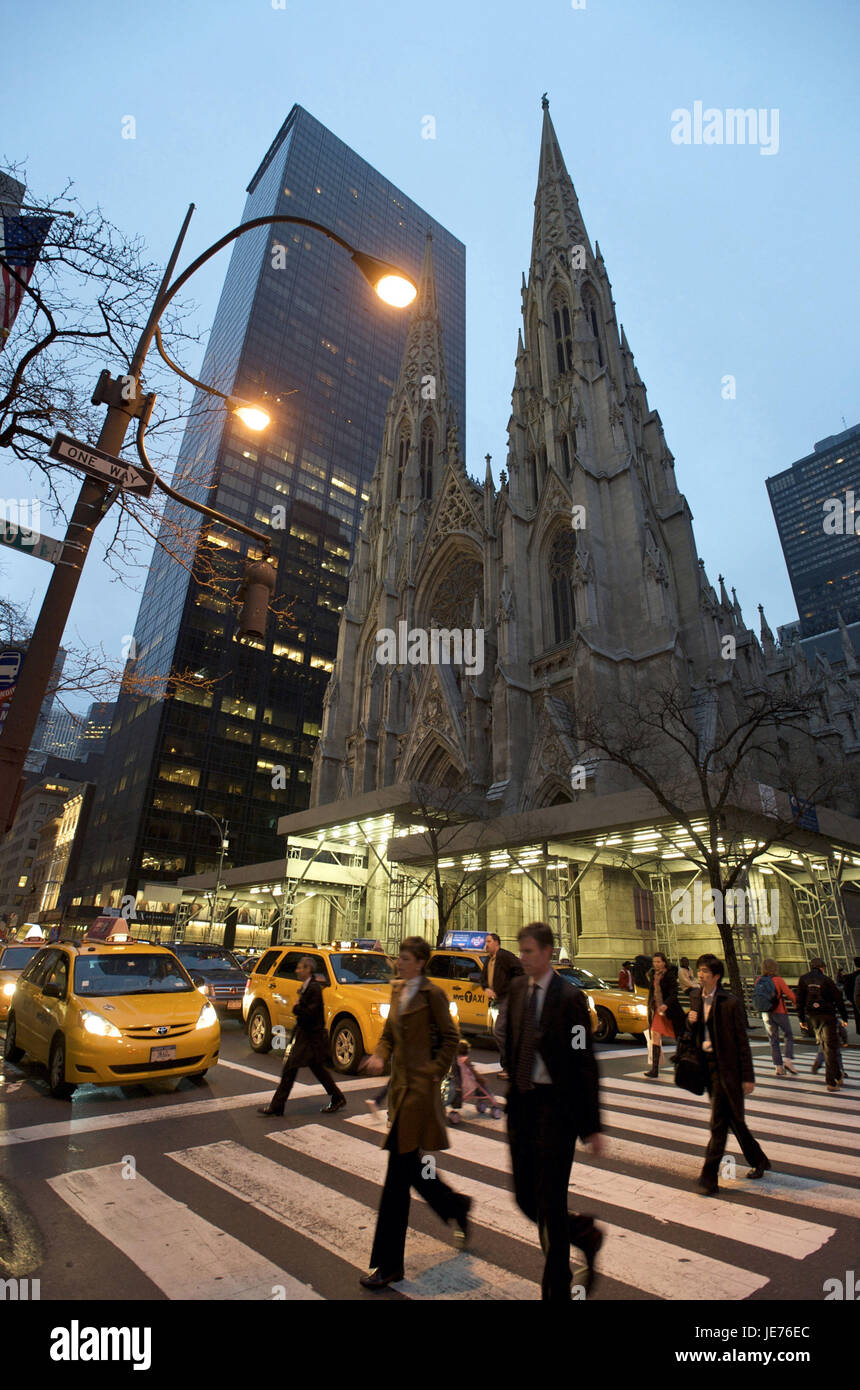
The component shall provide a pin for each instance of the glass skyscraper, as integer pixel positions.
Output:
(816, 505)
(295, 316)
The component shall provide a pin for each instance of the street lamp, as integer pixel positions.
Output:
(125, 403)
(225, 845)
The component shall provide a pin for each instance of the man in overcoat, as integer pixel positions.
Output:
(420, 1038)
(309, 1047)
(552, 1101)
(719, 1029)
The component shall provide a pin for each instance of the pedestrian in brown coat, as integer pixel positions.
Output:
(420, 1038)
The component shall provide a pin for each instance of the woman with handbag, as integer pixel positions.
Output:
(665, 1015)
(420, 1038)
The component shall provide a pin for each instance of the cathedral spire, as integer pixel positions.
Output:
(422, 372)
(847, 645)
(558, 224)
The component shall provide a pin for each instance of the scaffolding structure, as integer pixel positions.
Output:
(821, 917)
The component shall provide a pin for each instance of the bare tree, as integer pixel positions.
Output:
(84, 309)
(735, 783)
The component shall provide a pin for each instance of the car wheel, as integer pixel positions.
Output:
(347, 1049)
(11, 1053)
(260, 1029)
(606, 1026)
(60, 1088)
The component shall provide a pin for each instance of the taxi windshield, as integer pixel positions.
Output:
(16, 957)
(352, 968)
(583, 978)
(102, 975)
(206, 958)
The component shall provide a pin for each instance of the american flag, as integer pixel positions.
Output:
(21, 240)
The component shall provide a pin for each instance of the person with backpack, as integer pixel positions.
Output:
(819, 1001)
(769, 994)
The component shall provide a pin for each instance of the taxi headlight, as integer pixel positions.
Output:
(384, 1010)
(94, 1023)
(453, 1010)
(9, 988)
(207, 1017)
(641, 1009)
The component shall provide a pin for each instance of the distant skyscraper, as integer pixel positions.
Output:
(38, 752)
(93, 735)
(816, 504)
(295, 315)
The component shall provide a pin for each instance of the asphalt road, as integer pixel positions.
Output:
(178, 1191)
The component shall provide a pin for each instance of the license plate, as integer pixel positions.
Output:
(234, 1003)
(162, 1054)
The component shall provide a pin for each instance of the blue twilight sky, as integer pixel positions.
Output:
(723, 259)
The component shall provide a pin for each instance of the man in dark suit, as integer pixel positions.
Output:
(309, 1047)
(819, 1001)
(719, 1029)
(553, 1100)
(499, 969)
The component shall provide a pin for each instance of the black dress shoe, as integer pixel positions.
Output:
(462, 1233)
(589, 1245)
(760, 1169)
(378, 1280)
(706, 1187)
(267, 1110)
(335, 1103)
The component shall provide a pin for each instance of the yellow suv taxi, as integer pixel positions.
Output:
(618, 1011)
(14, 956)
(458, 975)
(110, 1011)
(356, 995)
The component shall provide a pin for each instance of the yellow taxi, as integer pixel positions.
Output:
(14, 955)
(356, 995)
(110, 1011)
(617, 1010)
(458, 974)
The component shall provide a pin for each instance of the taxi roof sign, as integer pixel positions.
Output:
(108, 929)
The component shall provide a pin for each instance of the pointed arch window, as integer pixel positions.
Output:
(591, 313)
(563, 336)
(402, 455)
(531, 474)
(561, 557)
(427, 452)
(565, 455)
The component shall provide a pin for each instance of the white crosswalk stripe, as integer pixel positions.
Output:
(342, 1225)
(185, 1256)
(655, 1266)
(319, 1184)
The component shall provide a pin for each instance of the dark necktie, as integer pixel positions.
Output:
(525, 1060)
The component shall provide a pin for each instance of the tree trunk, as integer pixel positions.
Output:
(731, 959)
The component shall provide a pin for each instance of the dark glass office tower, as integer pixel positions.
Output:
(295, 315)
(816, 504)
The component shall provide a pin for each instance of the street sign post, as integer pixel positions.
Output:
(101, 465)
(31, 542)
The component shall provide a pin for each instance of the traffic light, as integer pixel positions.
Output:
(257, 588)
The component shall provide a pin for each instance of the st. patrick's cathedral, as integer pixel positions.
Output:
(581, 571)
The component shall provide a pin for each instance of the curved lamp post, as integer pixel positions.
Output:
(392, 286)
(222, 831)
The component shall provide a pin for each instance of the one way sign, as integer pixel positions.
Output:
(100, 465)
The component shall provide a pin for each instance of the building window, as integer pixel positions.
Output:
(427, 451)
(402, 455)
(589, 301)
(561, 588)
(565, 455)
(563, 336)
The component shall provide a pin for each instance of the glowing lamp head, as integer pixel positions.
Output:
(392, 285)
(396, 290)
(253, 416)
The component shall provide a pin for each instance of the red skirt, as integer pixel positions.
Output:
(661, 1026)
